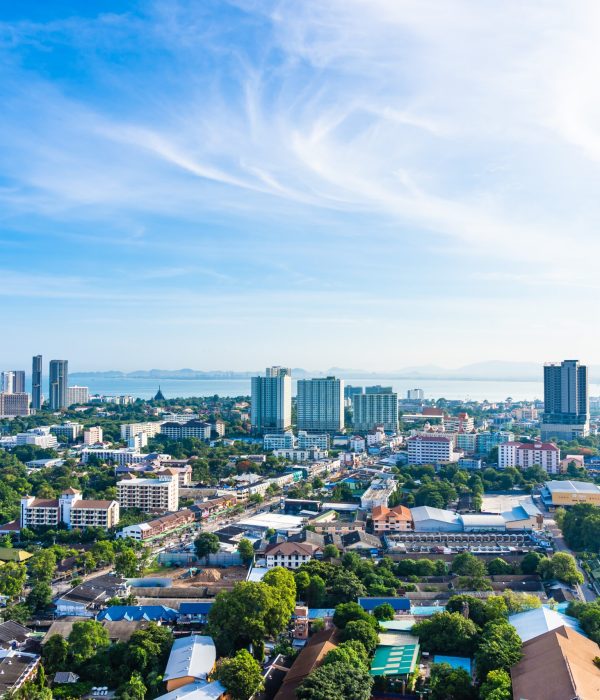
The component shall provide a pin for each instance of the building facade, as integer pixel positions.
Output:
(271, 407)
(373, 409)
(150, 495)
(566, 403)
(36, 382)
(431, 449)
(191, 429)
(320, 404)
(93, 436)
(14, 404)
(77, 395)
(70, 509)
(58, 384)
(527, 454)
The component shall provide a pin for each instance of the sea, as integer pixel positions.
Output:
(462, 389)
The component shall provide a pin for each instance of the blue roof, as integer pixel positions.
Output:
(196, 608)
(369, 604)
(138, 612)
(454, 661)
(533, 623)
(317, 613)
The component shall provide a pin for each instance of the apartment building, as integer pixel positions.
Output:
(93, 436)
(307, 440)
(119, 457)
(191, 429)
(69, 509)
(280, 441)
(320, 404)
(77, 395)
(14, 404)
(462, 422)
(271, 408)
(373, 409)
(431, 449)
(311, 454)
(40, 437)
(69, 430)
(151, 429)
(396, 519)
(527, 454)
(150, 495)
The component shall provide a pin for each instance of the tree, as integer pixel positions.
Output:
(103, 551)
(85, 639)
(520, 602)
(12, 579)
(344, 586)
(134, 689)
(447, 633)
(127, 563)
(241, 675)
(283, 581)
(498, 566)
(363, 632)
(561, 566)
(347, 612)
(497, 686)
(499, 648)
(205, 544)
(347, 654)
(467, 564)
(447, 683)
(330, 551)
(246, 551)
(384, 612)
(316, 593)
(42, 565)
(336, 681)
(40, 596)
(54, 653)
(529, 563)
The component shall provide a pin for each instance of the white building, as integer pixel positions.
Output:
(428, 519)
(271, 408)
(151, 429)
(312, 454)
(69, 430)
(371, 410)
(70, 509)
(320, 404)
(161, 494)
(14, 404)
(290, 555)
(526, 454)
(77, 394)
(462, 422)
(312, 440)
(185, 417)
(279, 441)
(93, 435)
(136, 442)
(415, 394)
(40, 437)
(357, 444)
(378, 493)
(431, 449)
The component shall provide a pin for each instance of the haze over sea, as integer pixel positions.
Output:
(475, 389)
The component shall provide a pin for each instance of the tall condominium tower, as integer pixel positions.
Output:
(272, 400)
(7, 382)
(566, 404)
(320, 404)
(36, 382)
(372, 409)
(58, 384)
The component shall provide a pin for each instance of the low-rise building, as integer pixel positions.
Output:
(396, 519)
(527, 454)
(39, 437)
(89, 597)
(159, 526)
(191, 659)
(428, 519)
(378, 493)
(290, 555)
(118, 457)
(307, 441)
(311, 454)
(280, 441)
(569, 493)
(70, 509)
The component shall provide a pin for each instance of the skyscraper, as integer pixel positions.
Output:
(7, 383)
(320, 404)
(370, 410)
(566, 404)
(36, 382)
(271, 409)
(19, 381)
(58, 383)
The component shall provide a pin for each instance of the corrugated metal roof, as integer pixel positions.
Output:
(196, 691)
(533, 623)
(192, 656)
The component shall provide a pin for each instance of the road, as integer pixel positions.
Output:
(585, 593)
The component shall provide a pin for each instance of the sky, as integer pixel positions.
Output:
(367, 184)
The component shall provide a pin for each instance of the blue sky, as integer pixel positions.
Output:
(356, 183)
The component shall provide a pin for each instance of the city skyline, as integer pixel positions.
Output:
(190, 175)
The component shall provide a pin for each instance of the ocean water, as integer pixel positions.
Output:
(476, 389)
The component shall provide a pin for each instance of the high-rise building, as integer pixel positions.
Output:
(77, 394)
(36, 382)
(272, 400)
(378, 389)
(370, 410)
(350, 391)
(566, 404)
(13, 382)
(14, 404)
(415, 394)
(58, 384)
(320, 404)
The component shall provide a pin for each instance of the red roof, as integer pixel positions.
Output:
(548, 446)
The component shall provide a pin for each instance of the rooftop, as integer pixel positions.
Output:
(192, 656)
(395, 661)
(572, 486)
(429, 513)
(196, 691)
(533, 623)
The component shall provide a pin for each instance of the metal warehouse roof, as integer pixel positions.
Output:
(196, 691)
(572, 486)
(429, 513)
(202, 608)
(394, 661)
(482, 520)
(138, 612)
(192, 656)
(532, 623)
